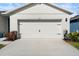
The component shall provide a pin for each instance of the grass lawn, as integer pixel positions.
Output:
(1, 46)
(75, 44)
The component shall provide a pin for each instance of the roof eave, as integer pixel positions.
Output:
(32, 4)
(61, 9)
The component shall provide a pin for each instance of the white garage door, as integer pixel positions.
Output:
(40, 30)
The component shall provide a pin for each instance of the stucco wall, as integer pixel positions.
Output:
(3, 23)
(14, 19)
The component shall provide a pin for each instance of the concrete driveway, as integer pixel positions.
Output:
(39, 47)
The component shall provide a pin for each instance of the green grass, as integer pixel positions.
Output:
(75, 44)
(1, 46)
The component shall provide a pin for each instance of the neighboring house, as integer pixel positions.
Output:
(74, 24)
(39, 20)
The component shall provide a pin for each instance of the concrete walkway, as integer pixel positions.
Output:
(39, 47)
(5, 42)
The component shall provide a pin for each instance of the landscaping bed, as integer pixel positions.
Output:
(8, 36)
(75, 44)
(72, 39)
(1, 46)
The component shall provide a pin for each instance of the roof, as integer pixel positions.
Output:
(2, 11)
(33, 4)
(75, 17)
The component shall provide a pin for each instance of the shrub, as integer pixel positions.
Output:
(67, 37)
(11, 36)
(74, 36)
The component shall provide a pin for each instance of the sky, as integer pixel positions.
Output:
(9, 6)
(74, 7)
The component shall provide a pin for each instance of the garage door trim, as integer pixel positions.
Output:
(47, 20)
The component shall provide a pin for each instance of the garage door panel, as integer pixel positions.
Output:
(31, 35)
(49, 28)
(40, 29)
(40, 36)
(28, 27)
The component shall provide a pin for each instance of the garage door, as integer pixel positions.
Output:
(40, 29)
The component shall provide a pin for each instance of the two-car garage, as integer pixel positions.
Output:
(40, 28)
(36, 20)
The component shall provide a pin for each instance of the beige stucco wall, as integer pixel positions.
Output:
(3, 23)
